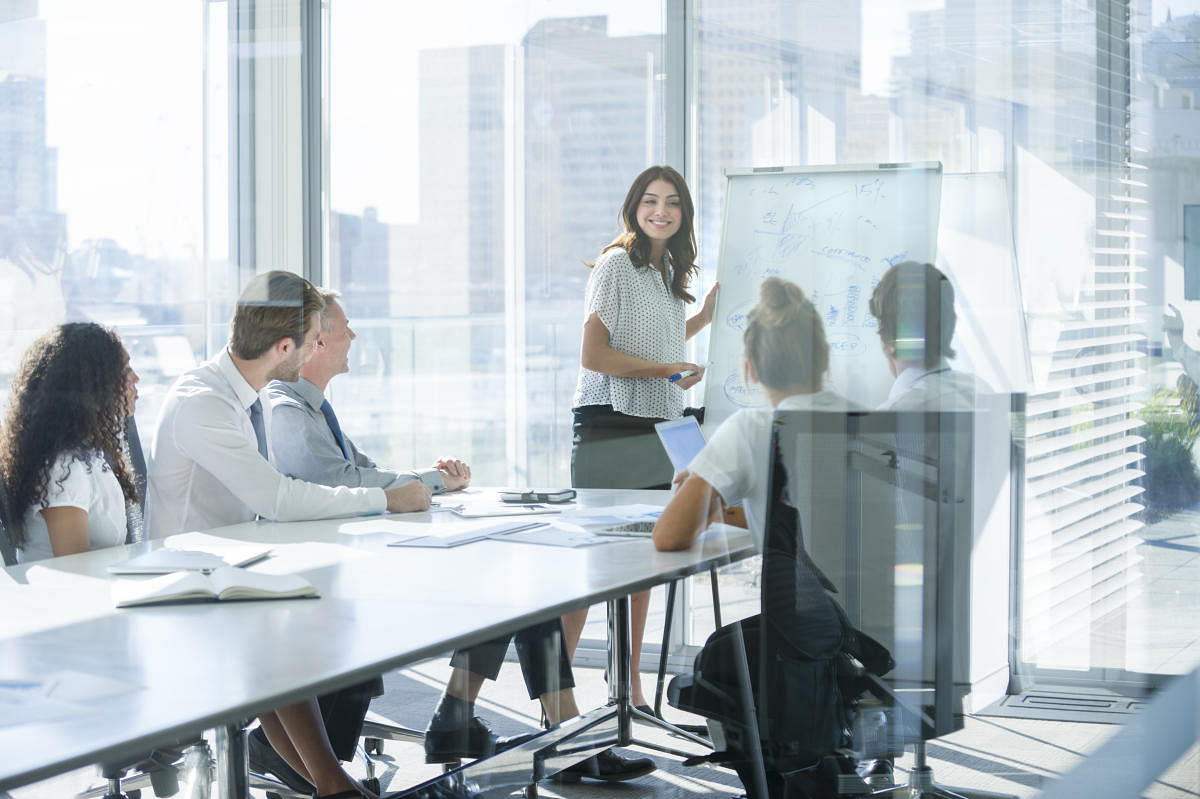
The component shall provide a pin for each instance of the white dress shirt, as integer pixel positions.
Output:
(206, 471)
(939, 388)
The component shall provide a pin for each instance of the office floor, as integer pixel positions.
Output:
(1015, 756)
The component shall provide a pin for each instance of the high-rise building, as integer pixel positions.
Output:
(773, 86)
(32, 232)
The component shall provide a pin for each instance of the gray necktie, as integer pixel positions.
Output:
(260, 430)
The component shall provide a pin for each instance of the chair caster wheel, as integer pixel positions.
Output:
(136, 793)
(373, 746)
(372, 785)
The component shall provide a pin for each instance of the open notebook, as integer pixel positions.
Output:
(224, 584)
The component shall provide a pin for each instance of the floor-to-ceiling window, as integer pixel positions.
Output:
(472, 170)
(477, 158)
(112, 184)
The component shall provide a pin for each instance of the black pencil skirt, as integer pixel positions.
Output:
(610, 449)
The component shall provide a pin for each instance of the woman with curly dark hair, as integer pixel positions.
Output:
(61, 452)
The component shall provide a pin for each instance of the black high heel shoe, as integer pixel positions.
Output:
(352, 793)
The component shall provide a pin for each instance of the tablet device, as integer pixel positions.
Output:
(537, 495)
(167, 559)
(682, 440)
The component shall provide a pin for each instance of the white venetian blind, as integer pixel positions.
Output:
(1083, 458)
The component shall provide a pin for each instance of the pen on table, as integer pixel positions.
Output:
(681, 375)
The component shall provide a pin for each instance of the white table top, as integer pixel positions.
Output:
(190, 667)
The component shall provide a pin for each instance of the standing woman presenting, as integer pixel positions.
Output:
(634, 334)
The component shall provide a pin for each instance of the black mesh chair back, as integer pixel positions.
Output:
(135, 515)
(7, 549)
(137, 459)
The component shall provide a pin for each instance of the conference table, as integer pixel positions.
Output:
(123, 681)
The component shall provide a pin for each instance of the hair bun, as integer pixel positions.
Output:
(782, 301)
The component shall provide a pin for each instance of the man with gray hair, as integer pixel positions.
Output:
(307, 439)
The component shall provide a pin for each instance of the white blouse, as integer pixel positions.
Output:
(645, 320)
(89, 485)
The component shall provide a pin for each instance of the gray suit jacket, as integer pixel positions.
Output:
(305, 448)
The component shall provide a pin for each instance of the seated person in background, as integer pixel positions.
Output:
(914, 304)
(787, 353)
(307, 441)
(210, 466)
(65, 470)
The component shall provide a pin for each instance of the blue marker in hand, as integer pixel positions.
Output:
(675, 378)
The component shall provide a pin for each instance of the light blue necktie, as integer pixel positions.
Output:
(260, 430)
(331, 419)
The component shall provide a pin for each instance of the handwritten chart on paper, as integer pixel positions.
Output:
(833, 231)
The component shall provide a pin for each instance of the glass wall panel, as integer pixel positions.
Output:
(1164, 613)
(478, 155)
(109, 208)
(1071, 122)
(473, 169)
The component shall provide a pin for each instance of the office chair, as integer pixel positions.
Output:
(904, 497)
(923, 462)
(781, 690)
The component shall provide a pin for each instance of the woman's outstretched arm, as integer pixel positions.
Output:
(704, 316)
(695, 505)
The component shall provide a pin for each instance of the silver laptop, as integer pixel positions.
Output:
(683, 440)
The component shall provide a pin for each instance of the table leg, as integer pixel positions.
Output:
(620, 685)
(233, 769)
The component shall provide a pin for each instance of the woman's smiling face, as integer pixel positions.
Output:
(659, 213)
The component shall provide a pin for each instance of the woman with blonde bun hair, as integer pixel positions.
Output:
(787, 353)
(784, 655)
